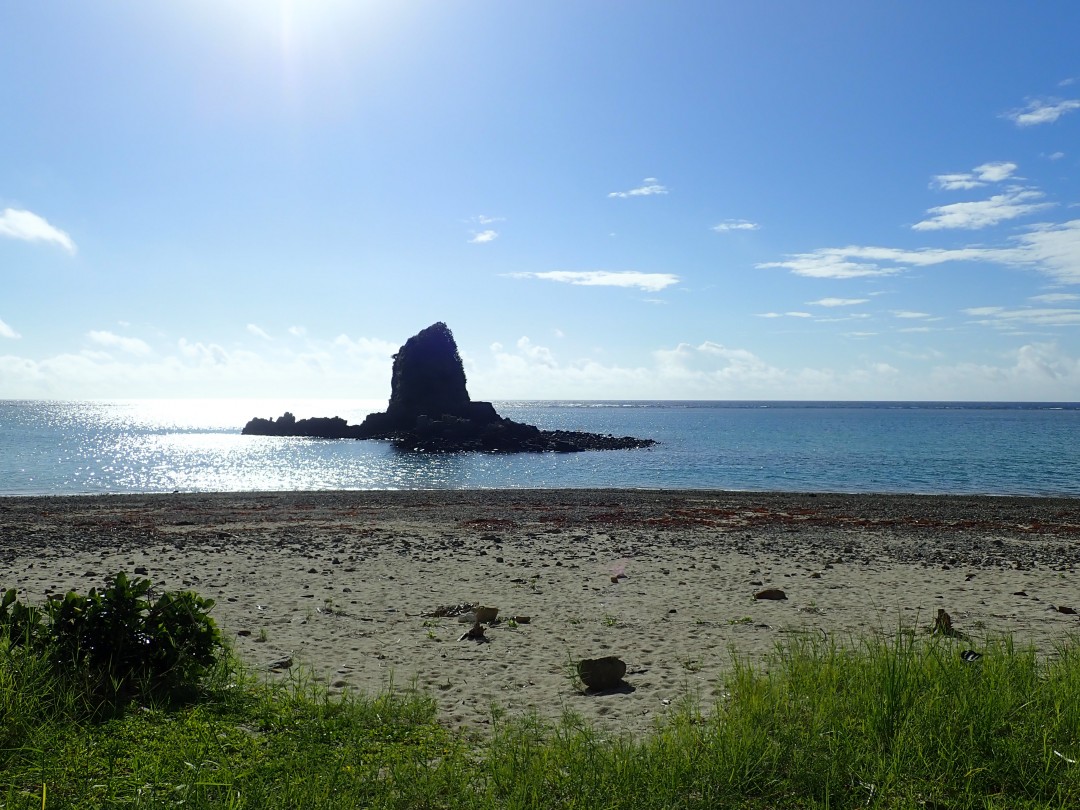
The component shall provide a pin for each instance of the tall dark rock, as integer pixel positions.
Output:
(427, 386)
(428, 378)
(430, 410)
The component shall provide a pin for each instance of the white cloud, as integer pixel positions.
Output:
(125, 344)
(905, 313)
(1034, 372)
(29, 227)
(1025, 316)
(7, 332)
(1050, 249)
(345, 368)
(979, 176)
(735, 225)
(830, 263)
(837, 302)
(649, 188)
(1042, 111)
(297, 331)
(650, 282)
(480, 219)
(983, 213)
(793, 314)
(366, 347)
(1054, 298)
(711, 370)
(484, 236)
(995, 172)
(537, 354)
(258, 331)
(1055, 156)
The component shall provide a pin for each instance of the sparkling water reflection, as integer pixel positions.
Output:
(164, 446)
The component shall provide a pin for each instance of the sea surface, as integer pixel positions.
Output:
(68, 448)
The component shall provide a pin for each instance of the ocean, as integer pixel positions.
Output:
(144, 446)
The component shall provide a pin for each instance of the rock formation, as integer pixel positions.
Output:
(430, 410)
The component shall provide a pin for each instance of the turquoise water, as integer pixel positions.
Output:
(62, 448)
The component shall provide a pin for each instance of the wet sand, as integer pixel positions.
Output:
(343, 584)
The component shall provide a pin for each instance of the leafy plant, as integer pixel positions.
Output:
(120, 639)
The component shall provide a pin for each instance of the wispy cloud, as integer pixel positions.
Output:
(650, 282)
(650, 186)
(298, 331)
(837, 302)
(258, 331)
(125, 344)
(979, 176)
(836, 263)
(1051, 249)
(1025, 316)
(909, 314)
(735, 225)
(483, 237)
(7, 332)
(1042, 111)
(29, 227)
(1054, 298)
(481, 219)
(785, 315)
(983, 213)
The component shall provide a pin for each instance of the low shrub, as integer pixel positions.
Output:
(120, 640)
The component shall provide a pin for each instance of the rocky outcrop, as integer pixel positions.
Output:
(430, 410)
(317, 427)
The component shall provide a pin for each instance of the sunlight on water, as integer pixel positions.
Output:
(196, 446)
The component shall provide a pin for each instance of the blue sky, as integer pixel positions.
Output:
(703, 200)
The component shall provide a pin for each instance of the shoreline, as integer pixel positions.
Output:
(340, 581)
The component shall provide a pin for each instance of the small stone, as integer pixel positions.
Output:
(141, 570)
(774, 594)
(486, 615)
(281, 663)
(474, 633)
(1068, 611)
(598, 674)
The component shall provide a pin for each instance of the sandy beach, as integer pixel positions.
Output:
(347, 584)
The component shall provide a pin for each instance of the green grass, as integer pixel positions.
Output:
(898, 724)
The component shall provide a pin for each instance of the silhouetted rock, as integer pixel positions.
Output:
(428, 379)
(318, 427)
(600, 674)
(430, 411)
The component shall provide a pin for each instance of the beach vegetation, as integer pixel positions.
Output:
(118, 641)
(906, 721)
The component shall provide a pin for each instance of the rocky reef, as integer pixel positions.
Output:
(430, 410)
